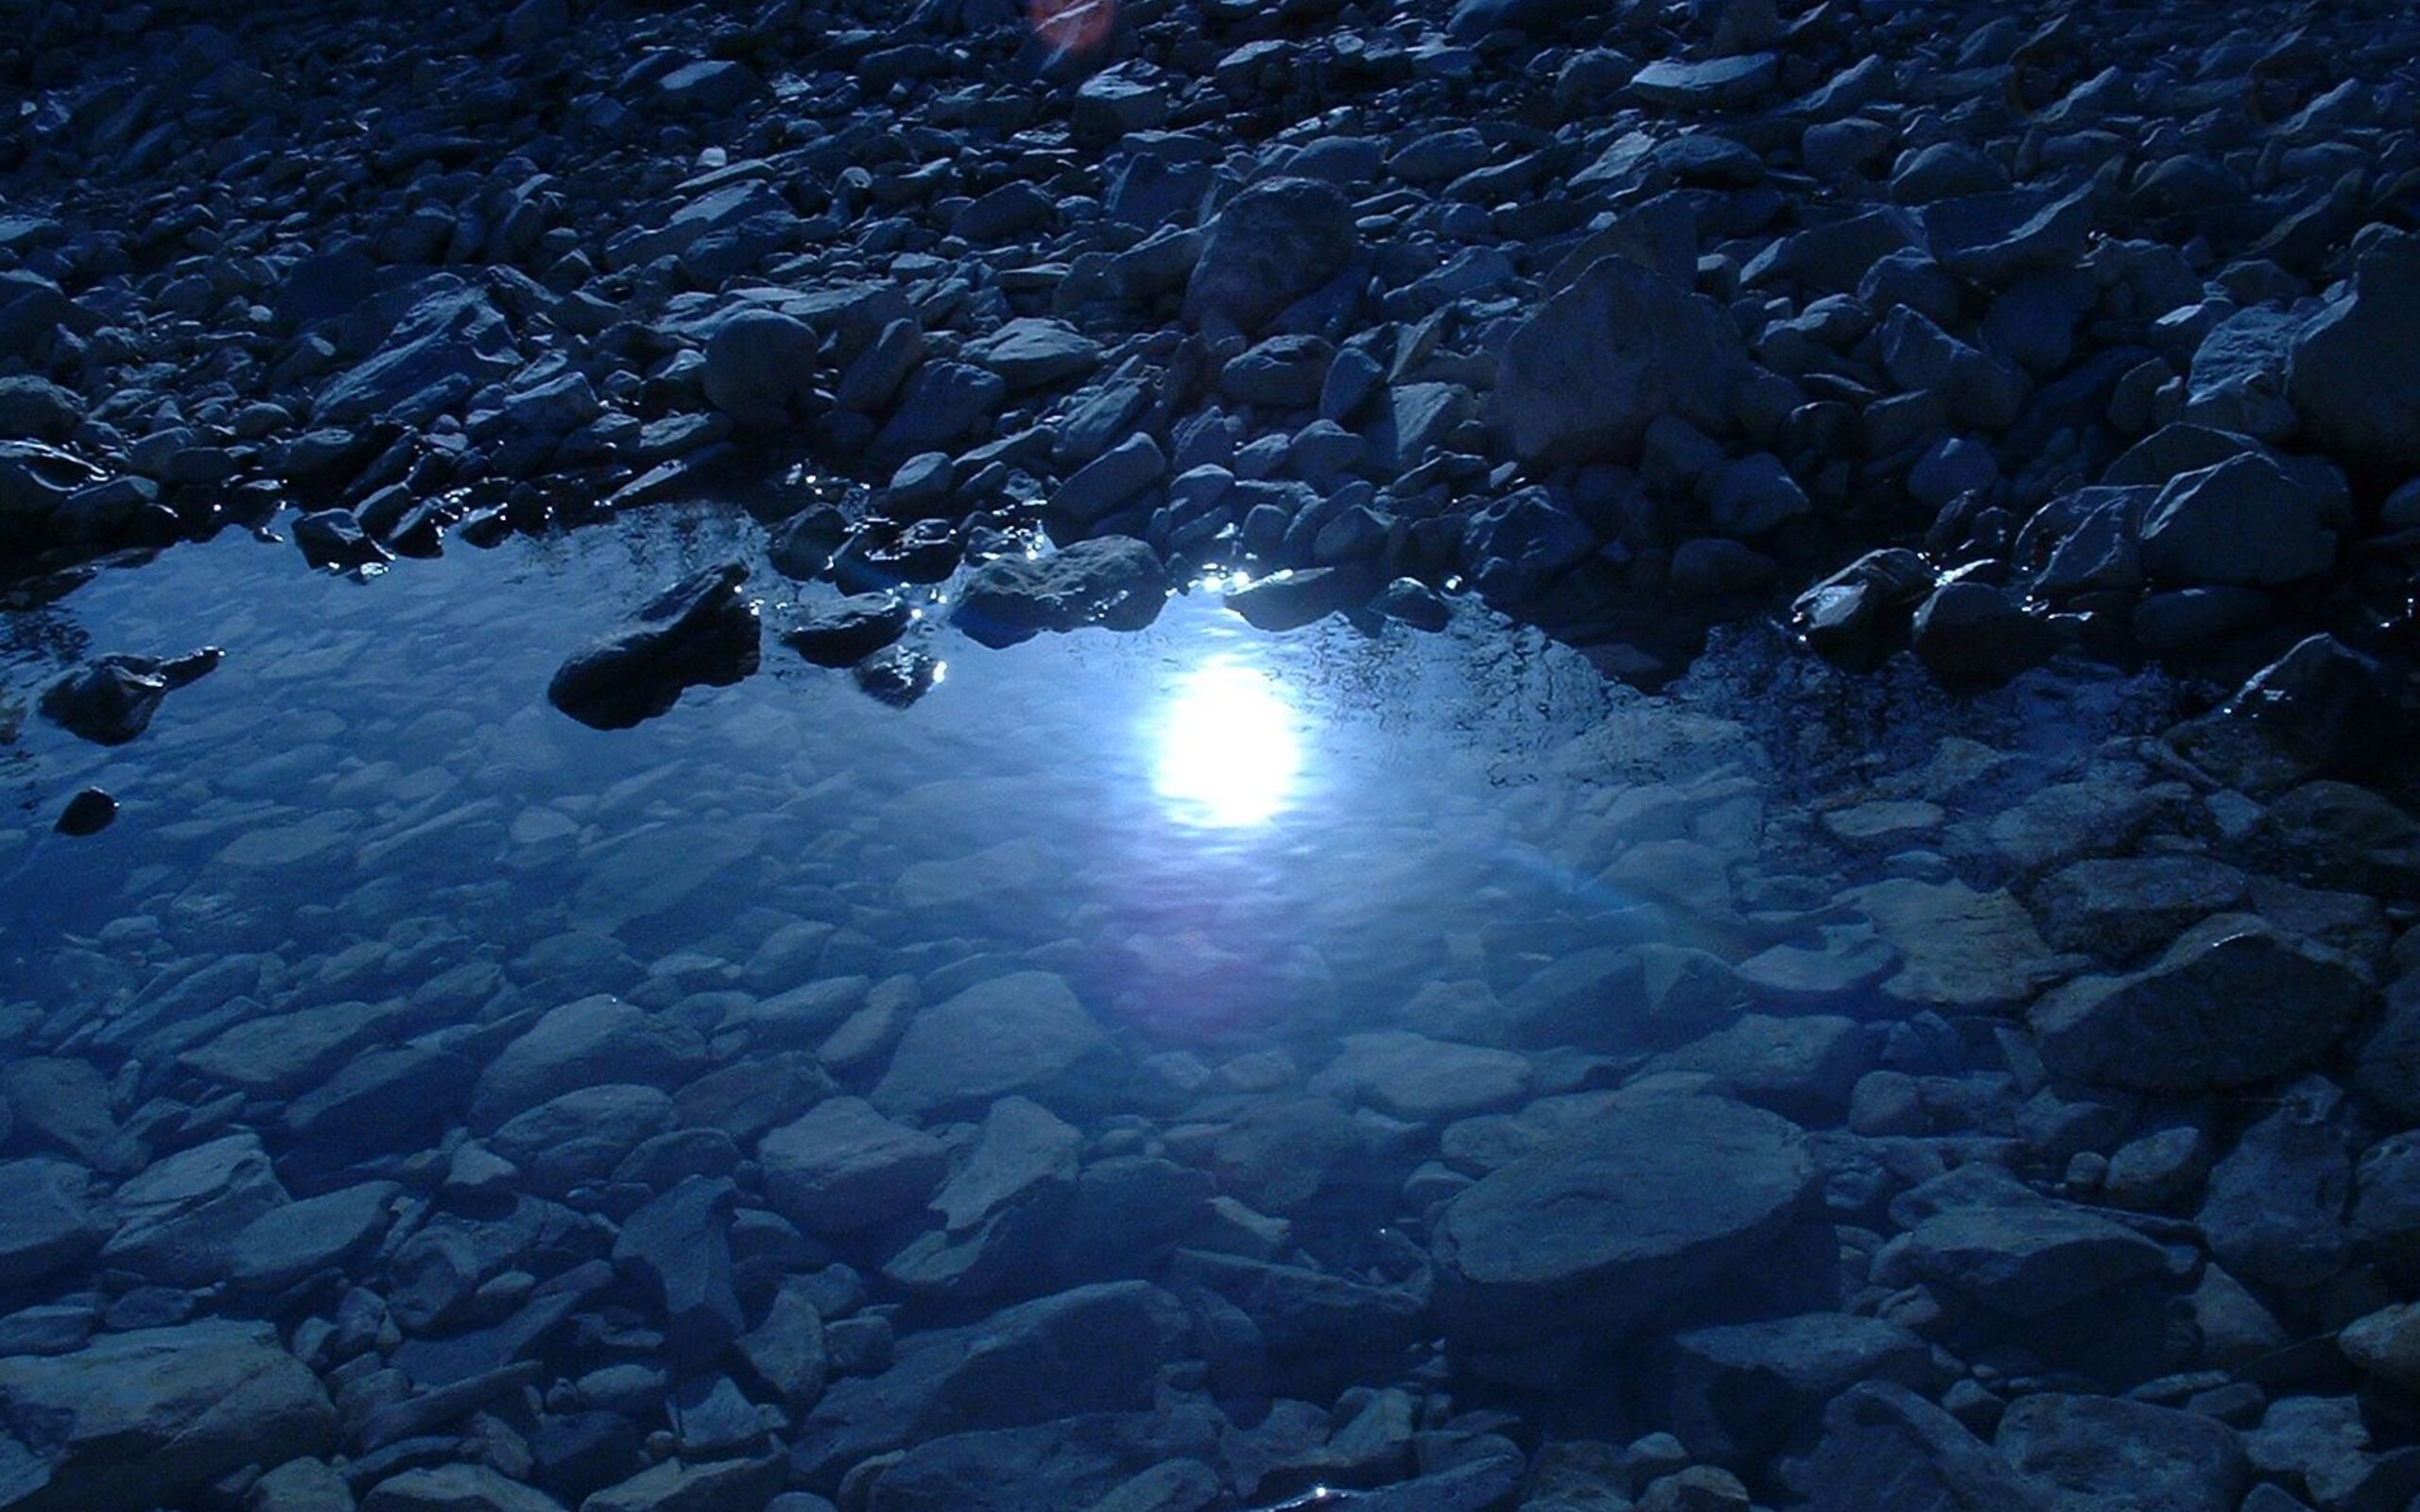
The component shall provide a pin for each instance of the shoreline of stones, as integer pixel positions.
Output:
(2054, 1151)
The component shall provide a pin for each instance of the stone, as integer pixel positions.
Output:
(2276, 1207)
(1582, 377)
(2386, 1344)
(1802, 1067)
(137, 1420)
(1884, 1449)
(1275, 242)
(580, 1136)
(2242, 522)
(838, 632)
(1025, 1031)
(2028, 1259)
(700, 630)
(2353, 378)
(1295, 597)
(842, 1166)
(2111, 1447)
(680, 1245)
(1114, 581)
(1616, 1224)
(456, 1488)
(1992, 238)
(580, 1043)
(113, 698)
(48, 1220)
(178, 1218)
(1031, 353)
(1109, 482)
(759, 365)
(675, 1485)
(1973, 635)
(1740, 1390)
(2122, 906)
(1959, 947)
(1715, 84)
(291, 1242)
(90, 811)
(2201, 1019)
(449, 342)
(1413, 1076)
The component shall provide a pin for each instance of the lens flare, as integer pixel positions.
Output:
(1229, 749)
(1079, 27)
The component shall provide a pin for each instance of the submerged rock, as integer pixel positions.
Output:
(700, 630)
(1617, 1224)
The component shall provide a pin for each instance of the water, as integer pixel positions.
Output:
(1327, 926)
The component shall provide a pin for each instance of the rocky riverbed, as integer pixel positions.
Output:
(1525, 754)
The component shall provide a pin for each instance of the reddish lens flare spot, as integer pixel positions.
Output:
(1073, 25)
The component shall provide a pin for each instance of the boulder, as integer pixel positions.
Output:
(448, 344)
(2243, 521)
(2131, 1452)
(844, 1166)
(2203, 1018)
(848, 630)
(2354, 375)
(112, 699)
(140, 1420)
(1271, 245)
(2026, 1259)
(700, 630)
(1618, 1224)
(1111, 581)
(1582, 378)
(759, 365)
(1024, 1032)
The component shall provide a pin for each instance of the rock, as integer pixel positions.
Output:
(1024, 1033)
(89, 812)
(1973, 635)
(2110, 1447)
(1959, 947)
(47, 1219)
(1802, 1067)
(36, 409)
(2243, 521)
(1282, 372)
(2276, 1203)
(112, 700)
(1272, 244)
(1030, 353)
(1992, 238)
(1581, 377)
(700, 630)
(39, 486)
(677, 1486)
(2353, 378)
(2201, 1018)
(2315, 711)
(592, 1040)
(1520, 544)
(1739, 1390)
(786, 1352)
(449, 342)
(1294, 597)
(2028, 1259)
(136, 1419)
(1884, 1449)
(1754, 496)
(1111, 581)
(333, 538)
(178, 1218)
(292, 1243)
(1855, 615)
(1618, 1224)
(759, 366)
(580, 1136)
(2122, 906)
(1413, 1076)
(848, 630)
(456, 1488)
(680, 1244)
(2388, 1067)
(2386, 1344)
(1716, 84)
(844, 1166)
(1109, 482)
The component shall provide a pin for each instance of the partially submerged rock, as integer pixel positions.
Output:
(700, 630)
(112, 700)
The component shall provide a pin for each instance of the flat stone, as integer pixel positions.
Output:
(134, 1420)
(2108, 1446)
(1616, 1222)
(844, 1166)
(1413, 1076)
(1959, 948)
(2027, 1258)
(1025, 1033)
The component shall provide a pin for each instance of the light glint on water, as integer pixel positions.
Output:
(1228, 747)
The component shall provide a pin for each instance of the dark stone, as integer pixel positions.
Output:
(1291, 599)
(1271, 245)
(1112, 580)
(89, 812)
(113, 698)
(334, 538)
(1971, 634)
(701, 630)
(849, 629)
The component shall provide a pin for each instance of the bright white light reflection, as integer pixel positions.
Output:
(1228, 747)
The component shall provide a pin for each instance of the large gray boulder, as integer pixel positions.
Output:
(147, 1418)
(1019, 1033)
(2353, 376)
(1272, 244)
(1617, 1223)
(2108, 1446)
(2210, 1015)
(1582, 377)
